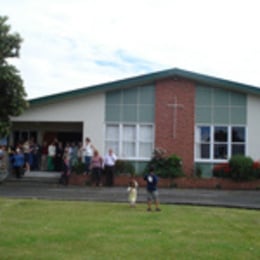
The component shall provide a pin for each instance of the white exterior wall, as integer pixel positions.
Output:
(90, 110)
(253, 122)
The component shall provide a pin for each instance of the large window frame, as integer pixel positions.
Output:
(130, 141)
(217, 143)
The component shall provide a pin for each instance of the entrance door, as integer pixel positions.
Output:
(65, 137)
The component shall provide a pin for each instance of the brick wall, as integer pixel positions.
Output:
(178, 139)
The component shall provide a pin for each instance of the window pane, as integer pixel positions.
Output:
(129, 113)
(220, 134)
(113, 145)
(113, 97)
(146, 113)
(221, 115)
(221, 97)
(238, 134)
(238, 115)
(130, 96)
(129, 133)
(237, 99)
(112, 132)
(146, 133)
(128, 149)
(220, 151)
(146, 95)
(205, 134)
(203, 96)
(113, 113)
(203, 151)
(238, 149)
(146, 150)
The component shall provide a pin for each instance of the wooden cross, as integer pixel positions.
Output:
(175, 106)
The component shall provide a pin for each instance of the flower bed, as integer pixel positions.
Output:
(181, 182)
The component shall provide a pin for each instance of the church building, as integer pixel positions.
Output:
(202, 119)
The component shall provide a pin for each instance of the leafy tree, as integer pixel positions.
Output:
(12, 92)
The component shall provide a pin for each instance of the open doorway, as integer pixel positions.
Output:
(63, 137)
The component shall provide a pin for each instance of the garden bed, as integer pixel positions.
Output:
(181, 182)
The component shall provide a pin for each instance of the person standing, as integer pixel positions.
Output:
(44, 156)
(58, 160)
(18, 163)
(109, 163)
(88, 149)
(151, 187)
(64, 178)
(132, 192)
(96, 167)
(51, 156)
(26, 152)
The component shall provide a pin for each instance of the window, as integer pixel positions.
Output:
(203, 142)
(220, 142)
(238, 140)
(130, 141)
(217, 106)
(22, 136)
(112, 133)
(213, 143)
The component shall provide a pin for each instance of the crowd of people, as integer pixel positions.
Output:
(55, 156)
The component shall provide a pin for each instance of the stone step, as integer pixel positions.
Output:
(35, 177)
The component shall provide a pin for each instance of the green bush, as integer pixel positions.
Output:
(79, 168)
(165, 167)
(241, 167)
(124, 167)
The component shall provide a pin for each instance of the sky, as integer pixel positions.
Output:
(74, 44)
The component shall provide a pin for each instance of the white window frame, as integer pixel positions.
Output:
(212, 142)
(138, 140)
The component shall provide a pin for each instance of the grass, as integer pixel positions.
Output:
(39, 229)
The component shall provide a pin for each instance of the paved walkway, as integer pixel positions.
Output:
(53, 191)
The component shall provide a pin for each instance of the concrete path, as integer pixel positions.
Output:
(53, 191)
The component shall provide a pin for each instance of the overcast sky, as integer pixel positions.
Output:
(74, 44)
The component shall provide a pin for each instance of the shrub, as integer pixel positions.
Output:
(122, 167)
(198, 171)
(256, 170)
(79, 168)
(164, 166)
(241, 167)
(222, 170)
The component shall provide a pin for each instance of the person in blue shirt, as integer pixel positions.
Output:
(18, 163)
(152, 191)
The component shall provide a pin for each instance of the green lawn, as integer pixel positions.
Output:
(39, 229)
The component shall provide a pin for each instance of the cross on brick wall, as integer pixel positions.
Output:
(175, 106)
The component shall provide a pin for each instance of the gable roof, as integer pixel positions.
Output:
(150, 79)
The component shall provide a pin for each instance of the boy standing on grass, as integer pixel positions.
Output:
(152, 192)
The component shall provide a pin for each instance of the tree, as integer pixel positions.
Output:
(12, 92)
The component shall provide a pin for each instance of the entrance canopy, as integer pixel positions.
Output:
(47, 131)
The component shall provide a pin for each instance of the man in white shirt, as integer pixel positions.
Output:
(109, 163)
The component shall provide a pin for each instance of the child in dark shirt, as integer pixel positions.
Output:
(152, 192)
(64, 178)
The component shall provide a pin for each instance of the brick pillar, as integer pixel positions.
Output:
(179, 138)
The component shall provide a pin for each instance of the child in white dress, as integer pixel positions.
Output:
(132, 192)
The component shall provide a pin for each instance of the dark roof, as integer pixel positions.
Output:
(150, 78)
